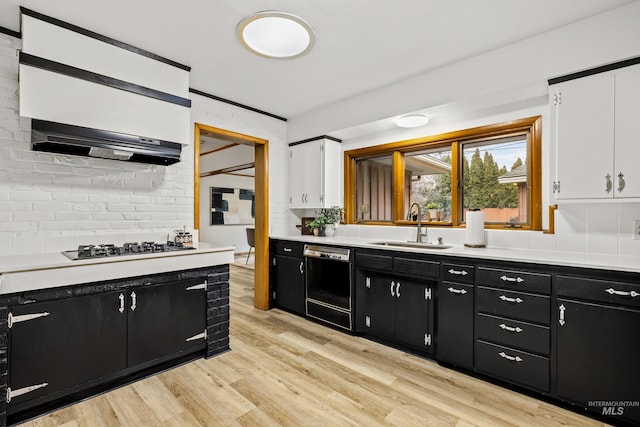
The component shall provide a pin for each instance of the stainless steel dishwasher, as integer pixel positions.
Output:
(328, 285)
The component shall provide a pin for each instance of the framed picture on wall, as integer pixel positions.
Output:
(232, 206)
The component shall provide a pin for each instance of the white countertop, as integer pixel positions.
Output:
(560, 258)
(19, 273)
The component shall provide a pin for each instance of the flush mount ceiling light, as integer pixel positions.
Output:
(412, 121)
(275, 34)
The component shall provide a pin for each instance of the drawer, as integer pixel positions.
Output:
(619, 293)
(514, 366)
(416, 267)
(516, 305)
(292, 249)
(514, 279)
(512, 333)
(458, 273)
(374, 262)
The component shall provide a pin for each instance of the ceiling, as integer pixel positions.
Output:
(361, 45)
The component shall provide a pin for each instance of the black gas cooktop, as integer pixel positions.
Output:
(133, 248)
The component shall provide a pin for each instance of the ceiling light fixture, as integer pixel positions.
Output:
(412, 121)
(275, 34)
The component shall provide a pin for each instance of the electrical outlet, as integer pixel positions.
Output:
(636, 229)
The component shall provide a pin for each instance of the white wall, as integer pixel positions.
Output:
(598, 40)
(505, 84)
(228, 234)
(52, 202)
(224, 116)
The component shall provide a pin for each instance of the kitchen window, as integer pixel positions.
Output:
(495, 168)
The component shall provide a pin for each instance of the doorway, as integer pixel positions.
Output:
(261, 202)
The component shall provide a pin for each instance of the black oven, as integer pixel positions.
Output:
(328, 285)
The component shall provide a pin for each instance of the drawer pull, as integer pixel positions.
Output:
(507, 299)
(457, 272)
(512, 279)
(457, 291)
(511, 358)
(286, 249)
(517, 329)
(631, 294)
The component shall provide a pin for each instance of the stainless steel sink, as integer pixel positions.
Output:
(410, 244)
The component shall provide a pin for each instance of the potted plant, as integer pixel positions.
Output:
(332, 217)
(316, 225)
(433, 211)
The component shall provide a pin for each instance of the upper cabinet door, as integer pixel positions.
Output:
(584, 119)
(314, 174)
(627, 148)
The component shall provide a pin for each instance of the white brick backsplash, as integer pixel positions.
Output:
(70, 197)
(34, 216)
(30, 196)
(18, 226)
(74, 216)
(5, 216)
(15, 206)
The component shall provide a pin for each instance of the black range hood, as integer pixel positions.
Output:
(80, 141)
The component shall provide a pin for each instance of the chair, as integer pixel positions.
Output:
(251, 241)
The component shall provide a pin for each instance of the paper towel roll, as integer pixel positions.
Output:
(474, 234)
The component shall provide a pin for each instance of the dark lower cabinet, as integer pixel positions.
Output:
(59, 344)
(166, 319)
(398, 308)
(287, 271)
(455, 324)
(598, 354)
(289, 286)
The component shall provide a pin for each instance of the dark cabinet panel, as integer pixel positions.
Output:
(412, 313)
(517, 305)
(515, 366)
(604, 291)
(374, 262)
(416, 267)
(73, 341)
(514, 279)
(380, 305)
(513, 333)
(455, 324)
(398, 309)
(166, 319)
(458, 273)
(597, 353)
(289, 283)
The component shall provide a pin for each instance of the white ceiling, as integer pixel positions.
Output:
(361, 44)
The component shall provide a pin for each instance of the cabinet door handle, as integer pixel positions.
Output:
(631, 294)
(457, 291)
(511, 279)
(507, 299)
(398, 290)
(621, 182)
(609, 183)
(393, 284)
(133, 301)
(301, 267)
(458, 272)
(201, 286)
(561, 309)
(11, 319)
(287, 249)
(121, 298)
(511, 358)
(19, 392)
(517, 329)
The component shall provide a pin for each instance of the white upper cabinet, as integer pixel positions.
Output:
(592, 121)
(314, 174)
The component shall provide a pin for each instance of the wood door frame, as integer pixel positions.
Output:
(261, 158)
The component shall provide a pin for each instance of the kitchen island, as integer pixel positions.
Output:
(70, 329)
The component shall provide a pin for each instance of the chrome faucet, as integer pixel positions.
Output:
(419, 233)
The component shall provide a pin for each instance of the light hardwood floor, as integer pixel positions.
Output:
(284, 370)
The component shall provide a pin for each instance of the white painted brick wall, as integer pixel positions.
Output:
(51, 202)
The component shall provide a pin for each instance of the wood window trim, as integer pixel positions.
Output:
(530, 125)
